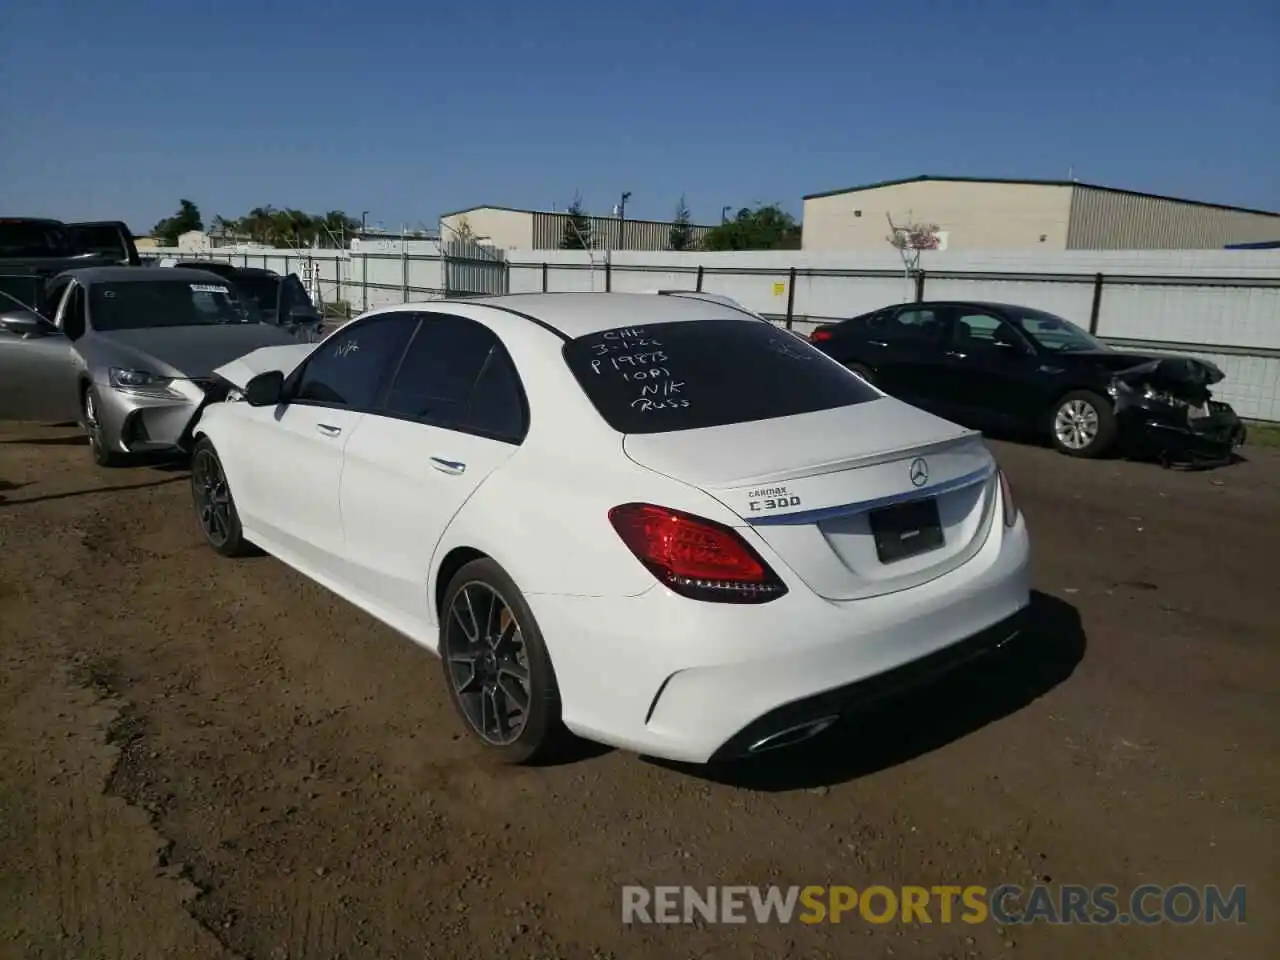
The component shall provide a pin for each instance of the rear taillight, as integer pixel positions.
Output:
(820, 336)
(694, 557)
(1006, 499)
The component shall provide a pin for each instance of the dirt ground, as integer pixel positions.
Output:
(204, 758)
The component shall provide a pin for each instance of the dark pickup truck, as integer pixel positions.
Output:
(33, 249)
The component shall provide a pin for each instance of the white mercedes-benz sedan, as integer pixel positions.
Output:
(658, 522)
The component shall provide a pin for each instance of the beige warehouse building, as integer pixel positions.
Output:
(974, 214)
(513, 229)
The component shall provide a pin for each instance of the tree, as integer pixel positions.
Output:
(577, 227)
(222, 227)
(911, 238)
(334, 227)
(464, 232)
(681, 235)
(290, 227)
(767, 227)
(185, 220)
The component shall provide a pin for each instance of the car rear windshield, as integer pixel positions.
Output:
(34, 238)
(664, 377)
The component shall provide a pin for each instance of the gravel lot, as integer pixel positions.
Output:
(206, 758)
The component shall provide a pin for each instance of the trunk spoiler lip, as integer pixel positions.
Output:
(805, 517)
(960, 438)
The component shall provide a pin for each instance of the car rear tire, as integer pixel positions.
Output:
(102, 454)
(497, 668)
(1083, 424)
(215, 508)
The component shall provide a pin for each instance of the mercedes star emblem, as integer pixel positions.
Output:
(919, 472)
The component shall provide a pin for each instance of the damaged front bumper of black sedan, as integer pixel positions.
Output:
(1164, 410)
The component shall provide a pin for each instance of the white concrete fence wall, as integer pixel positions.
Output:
(1223, 305)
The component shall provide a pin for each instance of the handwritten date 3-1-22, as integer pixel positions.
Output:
(615, 345)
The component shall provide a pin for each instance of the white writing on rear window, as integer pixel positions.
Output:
(633, 355)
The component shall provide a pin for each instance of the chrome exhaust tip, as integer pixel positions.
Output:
(792, 735)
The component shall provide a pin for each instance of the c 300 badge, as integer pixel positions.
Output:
(771, 498)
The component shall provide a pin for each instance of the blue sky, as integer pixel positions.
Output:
(410, 109)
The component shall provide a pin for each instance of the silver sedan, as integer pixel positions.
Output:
(128, 353)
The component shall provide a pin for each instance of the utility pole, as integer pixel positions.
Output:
(622, 220)
(724, 214)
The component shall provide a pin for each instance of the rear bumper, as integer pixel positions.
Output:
(862, 694)
(1163, 431)
(688, 681)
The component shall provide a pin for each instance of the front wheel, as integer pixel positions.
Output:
(99, 447)
(1083, 424)
(215, 509)
(496, 665)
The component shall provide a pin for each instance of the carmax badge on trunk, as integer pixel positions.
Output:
(918, 472)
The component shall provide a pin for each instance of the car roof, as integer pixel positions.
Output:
(580, 314)
(90, 275)
(222, 266)
(980, 304)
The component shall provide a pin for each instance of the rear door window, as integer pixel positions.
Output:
(663, 377)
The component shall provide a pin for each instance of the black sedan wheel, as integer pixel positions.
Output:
(215, 508)
(1083, 424)
(499, 674)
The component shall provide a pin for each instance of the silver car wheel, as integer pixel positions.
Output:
(1076, 424)
(91, 425)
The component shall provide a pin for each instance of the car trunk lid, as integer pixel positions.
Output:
(858, 500)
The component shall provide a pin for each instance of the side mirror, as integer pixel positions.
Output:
(26, 323)
(265, 389)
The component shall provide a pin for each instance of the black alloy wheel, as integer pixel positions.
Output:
(496, 665)
(215, 509)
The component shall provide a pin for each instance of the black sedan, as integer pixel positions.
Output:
(1002, 367)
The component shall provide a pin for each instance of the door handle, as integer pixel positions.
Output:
(957, 354)
(448, 466)
(328, 430)
(877, 343)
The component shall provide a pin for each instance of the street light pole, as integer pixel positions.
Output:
(622, 220)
